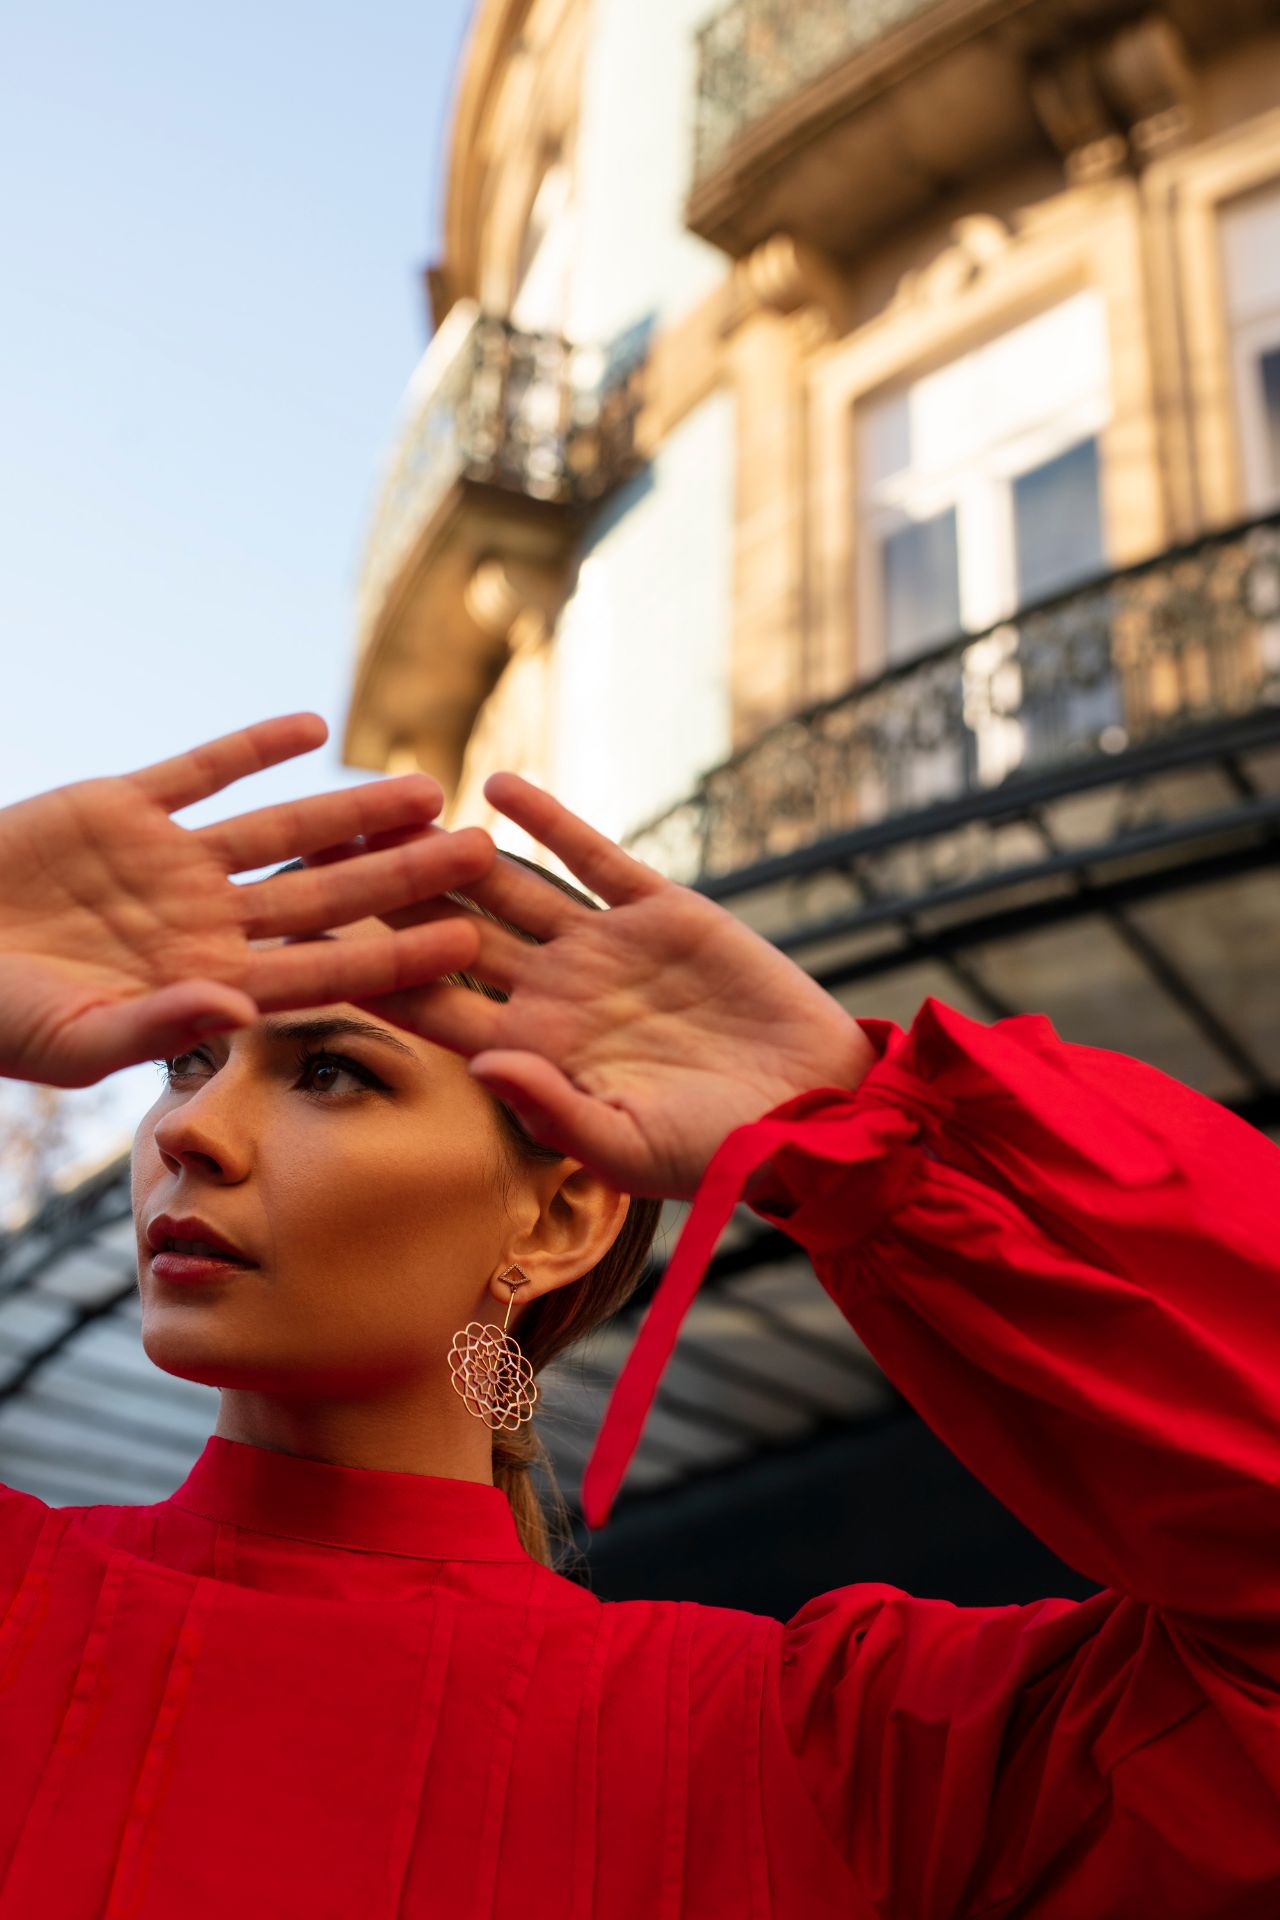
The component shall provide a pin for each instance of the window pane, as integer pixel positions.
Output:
(921, 584)
(1057, 522)
(1270, 367)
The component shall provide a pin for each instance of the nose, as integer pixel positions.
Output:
(209, 1133)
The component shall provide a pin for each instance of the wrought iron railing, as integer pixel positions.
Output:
(527, 413)
(1190, 637)
(754, 54)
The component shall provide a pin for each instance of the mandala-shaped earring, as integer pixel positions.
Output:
(490, 1372)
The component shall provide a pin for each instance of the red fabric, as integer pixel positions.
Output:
(300, 1690)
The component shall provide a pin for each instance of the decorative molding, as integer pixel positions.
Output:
(1146, 71)
(1118, 103)
(1072, 109)
(788, 277)
(977, 241)
(513, 602)
(773, 274)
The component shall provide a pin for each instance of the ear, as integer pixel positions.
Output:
(568, 1223)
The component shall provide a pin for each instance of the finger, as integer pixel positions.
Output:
(155, 1025)
(207, 769)
(370, 843)
(597, 861)
(343, 850)
(501, 958)
(317, 972)
(519, 896)
(374, 883)
(323, 820)
(454, 1017)
(554, 1111)
(508, 890)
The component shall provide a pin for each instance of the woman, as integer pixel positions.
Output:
(333, 1675)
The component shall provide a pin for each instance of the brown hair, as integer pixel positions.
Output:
(556, 1321)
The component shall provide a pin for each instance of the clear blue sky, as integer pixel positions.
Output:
(212, 228)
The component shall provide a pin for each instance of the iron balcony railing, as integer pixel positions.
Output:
(1190, 637)
(529, 414)
(755, 54)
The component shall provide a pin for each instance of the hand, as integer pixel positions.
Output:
(122, 937)
(633, 1040)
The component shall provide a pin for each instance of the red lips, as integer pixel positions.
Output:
(165, 1229)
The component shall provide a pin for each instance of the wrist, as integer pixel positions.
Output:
(849, 1056)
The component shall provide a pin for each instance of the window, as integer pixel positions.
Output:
(1251, 257)
(920, 584)
(978, 494)
(997, 453)
(1269, 368)
(1057, 523)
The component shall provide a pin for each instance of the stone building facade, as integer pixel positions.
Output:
(775, 346)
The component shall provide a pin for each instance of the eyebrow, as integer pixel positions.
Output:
(329, 1029)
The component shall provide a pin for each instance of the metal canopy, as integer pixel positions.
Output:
(1134, 900)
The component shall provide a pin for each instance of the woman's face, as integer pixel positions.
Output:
(363, 1173)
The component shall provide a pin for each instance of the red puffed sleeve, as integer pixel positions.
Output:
(1067, 1262)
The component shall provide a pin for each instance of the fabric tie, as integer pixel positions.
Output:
(1017, 1061)
(735, 1160)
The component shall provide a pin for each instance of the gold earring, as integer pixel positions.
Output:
(490, 1372)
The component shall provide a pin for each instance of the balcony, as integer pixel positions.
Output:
(837, 120)
(510, 440)
(1075, 814)
(1140, 656)
(756, 55)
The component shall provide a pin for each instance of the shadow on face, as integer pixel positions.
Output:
(362, 1173)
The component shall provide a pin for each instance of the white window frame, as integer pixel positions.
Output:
(979, 486)
(1253, 316)
(981, 491)
(1250, 343)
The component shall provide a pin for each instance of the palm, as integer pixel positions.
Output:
(635, 1039)
(119, 929)
(110, 899)
(655, 1010)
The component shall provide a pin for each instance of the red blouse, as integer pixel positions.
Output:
(296, 1691)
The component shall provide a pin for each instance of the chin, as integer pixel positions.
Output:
(196, 1353)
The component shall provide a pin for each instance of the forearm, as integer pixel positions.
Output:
(1065, 1261)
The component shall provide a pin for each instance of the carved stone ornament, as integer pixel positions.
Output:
(977, 241)
(1130, 97)
(787, 277)
(508, 600)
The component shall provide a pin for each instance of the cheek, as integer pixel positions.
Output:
(390, 1201)
(384, 1239)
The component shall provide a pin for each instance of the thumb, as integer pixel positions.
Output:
(105, 1038)
(552, 1109)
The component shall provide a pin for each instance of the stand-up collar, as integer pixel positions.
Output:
(421, 1515)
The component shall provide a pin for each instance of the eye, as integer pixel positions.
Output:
(323, 1073)
(182, 1066)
